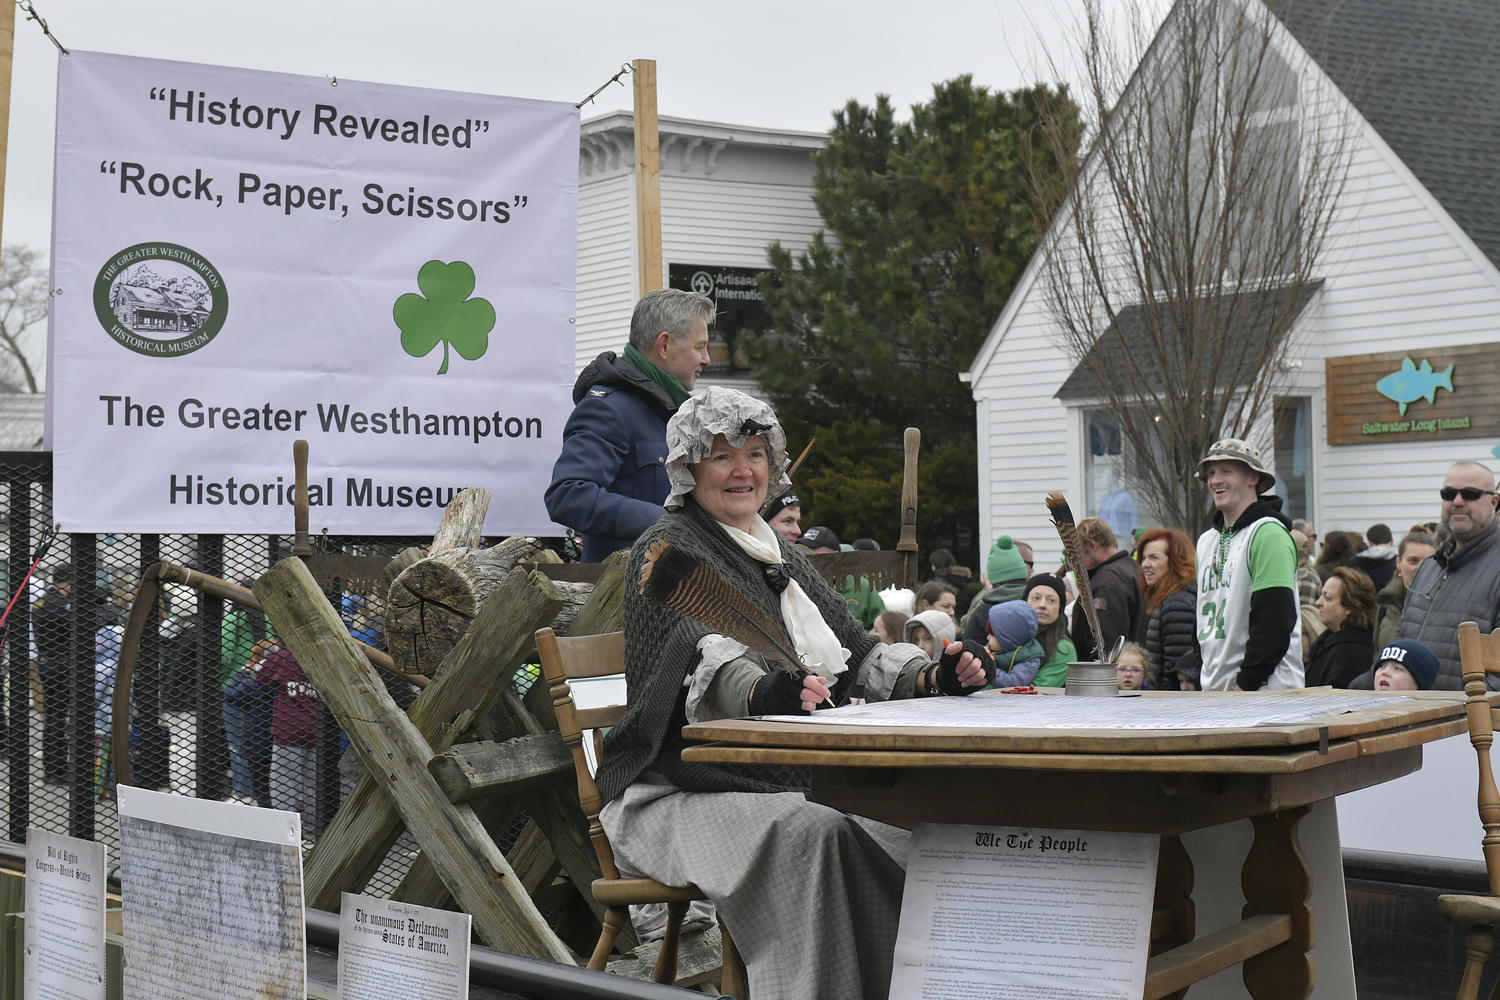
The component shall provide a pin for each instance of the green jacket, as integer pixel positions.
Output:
(864, 601)
(236, 639)
(1054, 673)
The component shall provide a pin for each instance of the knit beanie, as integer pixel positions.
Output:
(1012, 623)
(1004, 563)
(1419, 661)
(1048, 580)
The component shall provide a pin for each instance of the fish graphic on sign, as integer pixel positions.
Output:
(1409, 383)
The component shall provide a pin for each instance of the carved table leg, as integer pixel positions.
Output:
(1277, 879)
(1174, 892)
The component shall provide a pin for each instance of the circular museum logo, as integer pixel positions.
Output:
(160, 299)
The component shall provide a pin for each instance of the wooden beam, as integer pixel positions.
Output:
(472, 771)
(423, 886)
(473, 677)
(7, 52)
(647, 175)
(1201, 958)
(396, 754)
(555, 811)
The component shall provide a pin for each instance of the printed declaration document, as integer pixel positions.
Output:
(64, 917)
(213, 899)
(397, 951)
(1024, 914)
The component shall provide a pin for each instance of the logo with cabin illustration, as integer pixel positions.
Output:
(160, 299)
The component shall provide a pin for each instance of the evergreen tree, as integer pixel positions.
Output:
(929, 224)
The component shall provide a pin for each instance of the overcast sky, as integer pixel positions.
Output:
(776, 63)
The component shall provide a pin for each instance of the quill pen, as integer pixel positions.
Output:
(687, 586)
(1067, 530)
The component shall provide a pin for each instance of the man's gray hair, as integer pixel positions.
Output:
(669, 309)
(1469, 463)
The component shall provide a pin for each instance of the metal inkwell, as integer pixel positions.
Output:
(1092, 679)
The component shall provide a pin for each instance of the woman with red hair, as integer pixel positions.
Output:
(1169, 592)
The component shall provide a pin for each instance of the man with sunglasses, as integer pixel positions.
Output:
(1461, 580)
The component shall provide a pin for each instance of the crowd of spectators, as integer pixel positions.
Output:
(1372, 611)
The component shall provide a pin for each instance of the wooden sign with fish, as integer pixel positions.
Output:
(1414, 395)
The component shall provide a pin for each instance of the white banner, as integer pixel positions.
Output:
(241, 259)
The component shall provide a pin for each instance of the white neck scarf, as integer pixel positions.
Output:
(813, 640)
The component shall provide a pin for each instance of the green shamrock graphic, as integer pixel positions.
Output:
(447, 314)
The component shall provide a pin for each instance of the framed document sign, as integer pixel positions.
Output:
(1417, 395)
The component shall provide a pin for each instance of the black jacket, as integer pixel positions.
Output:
(1338, 657)
(610, 479)
(1172, 637)
(51, 622)
(1117, 599)
(1379, 568)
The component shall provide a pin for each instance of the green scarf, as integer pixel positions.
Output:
(665, 379)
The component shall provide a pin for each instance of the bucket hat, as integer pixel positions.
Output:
(1236, 450)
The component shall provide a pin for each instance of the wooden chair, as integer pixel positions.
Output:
(1480, 656)
(604, 656)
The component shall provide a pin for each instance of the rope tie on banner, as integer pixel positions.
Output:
(32, 15)
(624, 68)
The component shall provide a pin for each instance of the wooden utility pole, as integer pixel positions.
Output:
(7, 50)
(647, 175)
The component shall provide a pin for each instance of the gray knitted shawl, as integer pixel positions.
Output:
(661, 649)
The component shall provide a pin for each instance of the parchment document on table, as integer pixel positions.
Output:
(993, 709)
(1025, 914)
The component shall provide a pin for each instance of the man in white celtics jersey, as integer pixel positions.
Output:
(1248, 626)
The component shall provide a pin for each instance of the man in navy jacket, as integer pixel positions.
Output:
(610, 480)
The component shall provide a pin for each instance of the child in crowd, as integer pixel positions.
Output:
(889, 626)
(1012, 640)
(1405, 665)
(1133, 668)
(294, 713)
(929, 631)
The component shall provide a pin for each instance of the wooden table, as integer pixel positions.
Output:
(1154, 781)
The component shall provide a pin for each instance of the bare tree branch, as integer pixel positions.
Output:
(23, 304)
(1186, 243)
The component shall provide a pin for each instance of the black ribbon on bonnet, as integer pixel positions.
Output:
(752, 427)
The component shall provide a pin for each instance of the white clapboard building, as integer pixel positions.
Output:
(1412, 274)
(727, 192)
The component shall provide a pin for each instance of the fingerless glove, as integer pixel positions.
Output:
(947, 671)
(777, 693)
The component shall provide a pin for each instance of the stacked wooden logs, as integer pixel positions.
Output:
(465, 616)
(433, 599)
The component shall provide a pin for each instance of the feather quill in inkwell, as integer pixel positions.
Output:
(1067, 530)
(690, 588)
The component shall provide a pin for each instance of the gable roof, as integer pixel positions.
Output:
(1131, 334)
(1424, 74)
(150, 298)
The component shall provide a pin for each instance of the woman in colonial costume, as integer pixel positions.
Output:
(812, 895)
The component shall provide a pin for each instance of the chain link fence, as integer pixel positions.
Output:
(218, 709)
